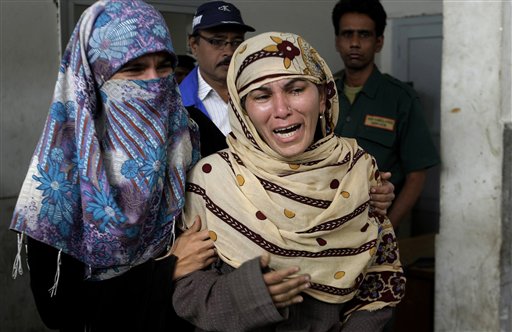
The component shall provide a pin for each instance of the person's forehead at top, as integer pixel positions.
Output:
(359, 18)
(352, 24)
(219, 16)
(124, 31)
(223, 30)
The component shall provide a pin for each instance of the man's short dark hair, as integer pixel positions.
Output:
(186, 61)
(372, 8)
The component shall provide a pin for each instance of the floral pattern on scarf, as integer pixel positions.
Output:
(106, 180)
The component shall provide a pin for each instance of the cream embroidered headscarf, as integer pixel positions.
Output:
(311, 210)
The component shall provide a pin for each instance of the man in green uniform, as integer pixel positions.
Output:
(381, 112)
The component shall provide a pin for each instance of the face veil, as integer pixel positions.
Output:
(106, 180)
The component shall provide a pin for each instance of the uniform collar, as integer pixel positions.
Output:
(372, 83)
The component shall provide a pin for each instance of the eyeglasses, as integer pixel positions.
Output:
(220, 44)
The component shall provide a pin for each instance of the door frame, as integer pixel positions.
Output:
(409, 28)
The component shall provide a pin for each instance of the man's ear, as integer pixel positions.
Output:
(337, 43)
(379, 44)
(192, 44)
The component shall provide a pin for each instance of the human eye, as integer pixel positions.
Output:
(297, 88)
(296, 91)
(346, 34)
(259, 95)
(131, 69)
(217, 42)
(237, 42)
(365, 34)
(165, 65)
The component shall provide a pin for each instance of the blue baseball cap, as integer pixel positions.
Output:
(218, 13)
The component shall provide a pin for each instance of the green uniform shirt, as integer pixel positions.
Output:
(387, 120)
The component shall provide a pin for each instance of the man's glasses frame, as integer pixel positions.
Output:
(221, 44)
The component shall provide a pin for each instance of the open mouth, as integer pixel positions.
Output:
(287, 132)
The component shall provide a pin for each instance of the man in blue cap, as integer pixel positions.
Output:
(217, 30)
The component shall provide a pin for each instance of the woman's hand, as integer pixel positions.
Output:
(284, 292)
(194, 249)
(382, 196)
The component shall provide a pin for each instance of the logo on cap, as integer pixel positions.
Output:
(196, 20)
(224, 8)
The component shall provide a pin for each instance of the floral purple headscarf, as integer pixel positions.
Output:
(106, 180)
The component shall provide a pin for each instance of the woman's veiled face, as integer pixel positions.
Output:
(148, 66)
(285, 114)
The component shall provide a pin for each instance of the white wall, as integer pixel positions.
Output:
(469, 241)
(29, 61)
(28, 69)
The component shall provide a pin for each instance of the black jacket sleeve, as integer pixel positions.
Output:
(211, 138)
(138, 300)
(61, 310)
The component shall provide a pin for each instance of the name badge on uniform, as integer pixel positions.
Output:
(379, 122)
